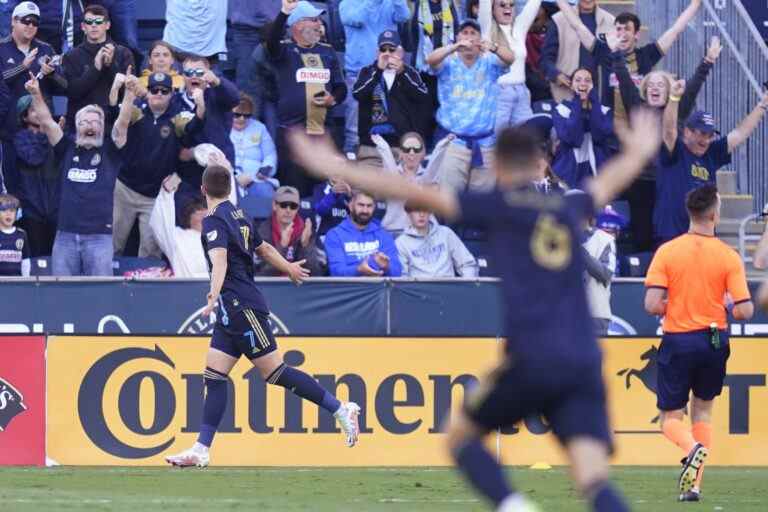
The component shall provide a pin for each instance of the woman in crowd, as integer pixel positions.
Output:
(255, 160)
(161, 60)
(585, 130)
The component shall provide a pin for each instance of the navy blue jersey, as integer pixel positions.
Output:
(227, 227)
(535, 240)
(13, 249)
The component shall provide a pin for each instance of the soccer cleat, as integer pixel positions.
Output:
(189, 458)
(691, 467)
(517, 503)
(347, 417)
(692, 495)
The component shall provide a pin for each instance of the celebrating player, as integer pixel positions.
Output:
(687, 282)
(551, 368)
(242, 324)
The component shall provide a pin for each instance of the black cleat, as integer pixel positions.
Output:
(692, 495)
(691, 467)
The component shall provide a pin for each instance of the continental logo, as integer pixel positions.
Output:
(199, 324)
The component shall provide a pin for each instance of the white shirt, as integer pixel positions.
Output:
(602, 247)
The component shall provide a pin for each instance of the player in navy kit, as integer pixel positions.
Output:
(242, 324)
(552, 368)
(14, 248)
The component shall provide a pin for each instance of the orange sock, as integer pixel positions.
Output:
(702, 433)
(676, 431)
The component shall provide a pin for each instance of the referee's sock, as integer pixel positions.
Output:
(604, 497)
(304, 386)
(482, 470)
(677, 432)
(702, 433)
(214, 405)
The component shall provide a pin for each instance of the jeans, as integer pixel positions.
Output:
(82, 255)
(513, 106)
(351, 138)
(244, 40)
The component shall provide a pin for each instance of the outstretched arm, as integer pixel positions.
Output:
(120, 129)
(586, 37)
(741, 133)
(295, 271)
(669, 37)
(49, 127)
(671, 115)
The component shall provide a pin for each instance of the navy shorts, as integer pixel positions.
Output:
(246, 333)
(688, 362)
(572, 399)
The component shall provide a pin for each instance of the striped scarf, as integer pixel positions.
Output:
(426, 24)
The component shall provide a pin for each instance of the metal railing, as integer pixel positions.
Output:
(735, 84)
(747, 238)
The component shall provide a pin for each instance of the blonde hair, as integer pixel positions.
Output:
(667, 76)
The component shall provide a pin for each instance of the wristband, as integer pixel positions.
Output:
(674, 98)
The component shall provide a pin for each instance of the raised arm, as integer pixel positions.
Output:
(387, 158)
(120, 129)
(49, 127)
(571, 14)
(741, 133)
(278, 27)
(640, 143)
(695, 83)
(669, 122)
(669, 37)
(436, 58)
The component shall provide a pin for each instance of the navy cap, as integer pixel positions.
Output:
(469, 22)
(702, 121)
(160, 80)
(390, 37)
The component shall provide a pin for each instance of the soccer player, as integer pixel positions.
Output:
(550, 368)
(691, 281)
(242, 324)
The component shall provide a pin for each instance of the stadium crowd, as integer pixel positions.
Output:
(101, 141)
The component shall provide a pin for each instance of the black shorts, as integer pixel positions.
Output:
(689, 363)
(572, 400)
(246, 333)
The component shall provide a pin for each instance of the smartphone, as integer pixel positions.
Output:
(320, 94)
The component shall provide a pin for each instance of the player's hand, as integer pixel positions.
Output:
(32, 85)
(212, 302)
(289, 6)
(643, 137)
(382, 260)
(211, 79)
(29, 59)
(713, 52)
(678, 88)
(306, 235)
(364, 269)
(318, 155)
(296, 272)
(563, 81)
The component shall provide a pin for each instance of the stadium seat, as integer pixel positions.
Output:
(480, 250)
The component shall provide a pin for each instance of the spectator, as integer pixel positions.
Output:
(247, 20)
(693, 161)
(391, 95)
(473, 9)
(59, 22)
(181, 245)
(197, 27)
(364, 23)
(220, 96)
(563, 53)
(584, 128)
(599, 252)
(122, 14)
(291, 235)
(549, 183)
(331, 201)
(309, 80)
(412, 151)
(360, 247)
(535, 79)
(499, 24)
(162, 59)
(90, 163)
(434, 25)
(90, 68)
(261, 85)
(38, 180)
(14, 247)
(255, 160)
(429, 250)
(468, 91)
(151, 154)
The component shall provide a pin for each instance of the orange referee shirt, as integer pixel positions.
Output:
(697, 271)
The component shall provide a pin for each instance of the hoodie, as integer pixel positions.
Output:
(439, 253)
(364, 21)
(346, 246)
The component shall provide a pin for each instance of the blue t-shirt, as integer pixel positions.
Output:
(468, 94)
(13, 249)
(87, 186)
(679, 172)
(227, 227)
(536, 240)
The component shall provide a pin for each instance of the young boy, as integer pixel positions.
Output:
(14, 249)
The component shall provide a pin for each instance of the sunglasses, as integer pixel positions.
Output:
(411, 149)
(387, 49)
(160, 90)
(94, 21)
(30, 21)
(287, 204)
(8, 205)
(192, 73)
(244, 115)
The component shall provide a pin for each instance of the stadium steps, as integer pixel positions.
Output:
(727, 182)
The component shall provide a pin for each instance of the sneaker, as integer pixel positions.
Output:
(189, 458)
(517, 503)
(347, 417)
(691, 466)
(692, 495)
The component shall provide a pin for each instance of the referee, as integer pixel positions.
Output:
(691, 281)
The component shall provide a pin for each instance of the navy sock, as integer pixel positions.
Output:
(304, 386)
(605, 498)
(482, 471)
(214, 405)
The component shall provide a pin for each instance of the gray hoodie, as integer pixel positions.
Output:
(438, 254)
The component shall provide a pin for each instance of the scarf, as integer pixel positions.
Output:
(277, 235)
(427, 27)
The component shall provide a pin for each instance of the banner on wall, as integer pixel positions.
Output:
(132, 400)
(22, 400)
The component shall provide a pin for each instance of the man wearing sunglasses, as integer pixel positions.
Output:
(155, 137)
(391, 94)
(90, 67)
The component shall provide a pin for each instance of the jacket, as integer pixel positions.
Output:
(364, 21)
(439, 253)
(38, 182)
(346, 246)
(294, 252)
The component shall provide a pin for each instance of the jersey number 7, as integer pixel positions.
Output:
(246, 231)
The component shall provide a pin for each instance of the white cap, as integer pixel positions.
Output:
(26, 9)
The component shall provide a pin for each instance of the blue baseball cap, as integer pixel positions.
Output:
(702, 121)
(610, 220)
(303, 10)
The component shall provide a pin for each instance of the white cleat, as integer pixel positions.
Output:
(517, 503)
(347, 418)
(189, 458)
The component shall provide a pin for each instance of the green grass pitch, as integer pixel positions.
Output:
(353, 489)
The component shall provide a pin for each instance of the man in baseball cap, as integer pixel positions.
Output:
(304, 10)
